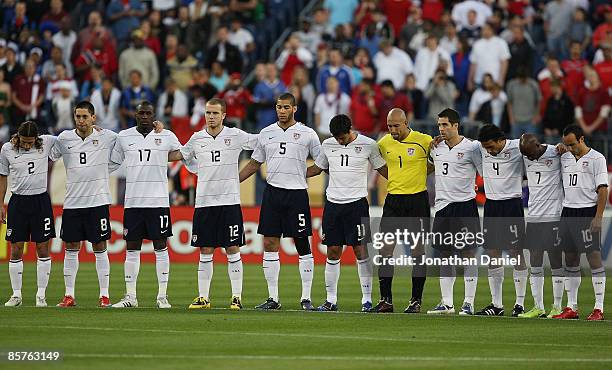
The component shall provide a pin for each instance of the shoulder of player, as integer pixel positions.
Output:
(329, 142)
(422, 136)
(385, 140)
(595, 154)
(6, 147)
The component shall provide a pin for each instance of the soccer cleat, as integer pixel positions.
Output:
(491, 310)
(567, 314)
(415, 306)
(327, 307)
(41, 302)
(235, 304)
(162, 302)
(467, 309)
(517, 310)
(126, 302)
(68, 301)
(534, 313)
(554, 311)
(596, 315)
(200, 303)
(441, 309)
(14, 301)
(307, 305)
(366, 307)
(104, 302)
(383, 307)
(269, 304)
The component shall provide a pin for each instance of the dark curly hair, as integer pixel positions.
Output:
(27, 129)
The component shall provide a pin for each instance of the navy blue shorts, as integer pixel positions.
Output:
(91, 224)
(218, 226)
(460, 219)
(30, 218)
(576, 234)
(406, 211)
(146, 223)
(504, 224)
(346, 224)
(285, 213)
(544, 236)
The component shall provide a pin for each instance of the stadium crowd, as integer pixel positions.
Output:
(525, 66)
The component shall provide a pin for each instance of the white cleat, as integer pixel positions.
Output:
(441, 309)
(162, 302)
(126, 302)
(14, 301)
(41, 302)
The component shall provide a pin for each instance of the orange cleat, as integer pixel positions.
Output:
(596, 315)
(567, 313)
(104, 302)
(68, 301)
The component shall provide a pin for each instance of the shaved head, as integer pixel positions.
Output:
(530, 146)
(398, 124)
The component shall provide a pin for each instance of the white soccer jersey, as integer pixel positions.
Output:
(285, 153)
(582, 177)
(348, 167)
(545, 187)
(27, 168)
(146, 163)
(503, 173)
(86, 161)
(217, 164)
(456, 171)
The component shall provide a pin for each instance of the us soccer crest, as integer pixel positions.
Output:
(296, 136)
(548, 162)
(459, 155)
(125, 232)
(410, 151)
(357, 149)
(585, 164)
(158, 141)
(9, 232)
(94, 142)
(507, 155)
(194, 238)
(228, 142)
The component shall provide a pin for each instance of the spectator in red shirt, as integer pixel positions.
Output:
(572, 67)
(28, 95)
(364, 14)
(604, 68)
(237, 98)
(602, 30)
(55, 14)
(150, 40)
(397, 12)
(551, 72)
(364, 101)
(293, 56)
(392, 99)
(96, 54)
(593, 106)
(433, 10)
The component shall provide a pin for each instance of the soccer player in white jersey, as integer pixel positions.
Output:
(147, 205)
(543, 167)
(30, 216)
(585, 181)
(285, 211)
(346, 216)
(217, 219)
(504, 223)
(86, 153)
(456, 160)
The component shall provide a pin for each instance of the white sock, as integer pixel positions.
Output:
(16, 274)
(205, 274)
(332, 274)
(131, 269)
(43, 270)
(234, 270)
(306, 266)
(572, 283)
(162, 266)
(558, 277)
(599, 286)
(447, 283)
(496, 283)
(520, 285)
(536, 281)
(271, 269)
(71, 267)
(364, 270)
(470, 279)
(103, 270)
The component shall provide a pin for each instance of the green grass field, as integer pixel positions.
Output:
(146, 337)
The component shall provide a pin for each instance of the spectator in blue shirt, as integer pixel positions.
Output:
(337, 69)
(265, 95)
(124, 18)
(131, 97)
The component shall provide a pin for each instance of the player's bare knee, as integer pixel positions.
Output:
(16, 251)
(594, 259)
(134, 245)
(302, 245)
(536, 258)
(233, 249)
(334, 252)
(160, 244)
(572, 259)
(271, 244)
(361, 252)
(99, 247)
(73, 246)
(207, 250)
(42, 249)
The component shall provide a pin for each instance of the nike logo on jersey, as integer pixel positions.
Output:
(17, 156)
(103, 235)
(131, 144)
(47, 234)
(270, 138)
(70, 147)
(335, 150)
(301, 230)
(437, 155)
(233, 240)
